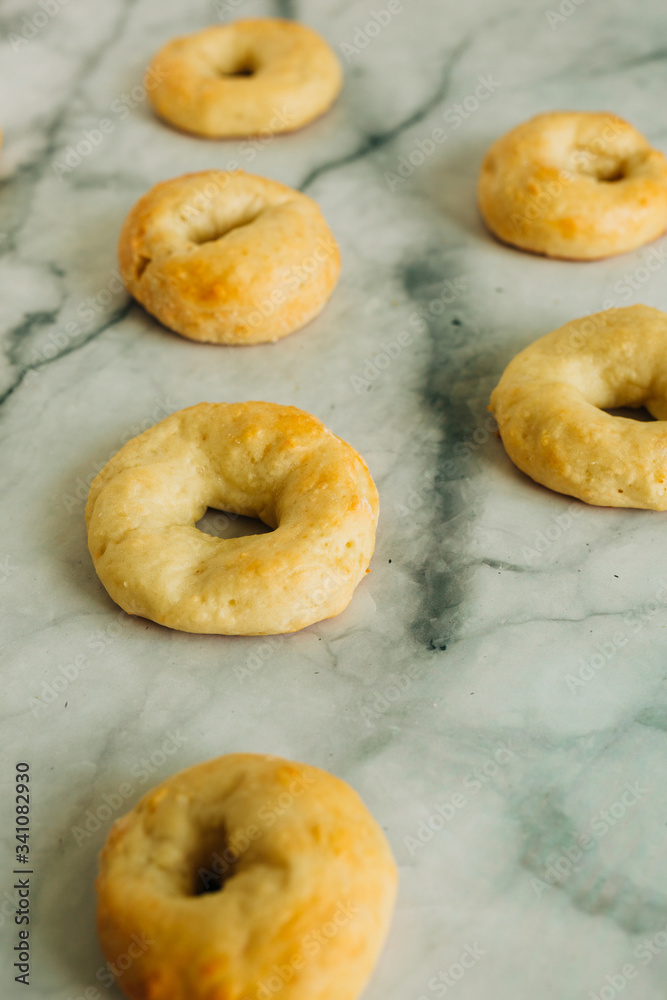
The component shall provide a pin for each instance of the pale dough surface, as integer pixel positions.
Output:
(311, 892)
(228, 257)
(549, 406)
(579, 185)
(263, 460)
(293, 76)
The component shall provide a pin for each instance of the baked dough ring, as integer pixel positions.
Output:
(578, 185)
(261, 460)
(308, 885)
(228, 258)
(260, 75)
(550, 399)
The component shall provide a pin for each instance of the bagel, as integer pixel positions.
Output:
(228, 258)
(244, 876)
(260, 460)
(577, 185)
(550, 400)
(259, 75)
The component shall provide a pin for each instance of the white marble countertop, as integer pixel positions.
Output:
(496, 689)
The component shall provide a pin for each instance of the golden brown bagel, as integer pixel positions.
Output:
(261, 460)
(578, 185)
(550, 400)
(259, 75)
(228, 258)
(301, 886)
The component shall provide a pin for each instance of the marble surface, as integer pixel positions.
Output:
(496, 689)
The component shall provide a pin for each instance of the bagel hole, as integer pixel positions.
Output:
(610, 173)
(237, 64)
(210, 230)
(217, 863)
(606, 168)
(142, 264)
(630, 413)
(241, 71)
(227, 524)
